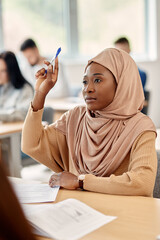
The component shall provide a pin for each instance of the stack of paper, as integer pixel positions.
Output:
(67, 220)
(35, 193)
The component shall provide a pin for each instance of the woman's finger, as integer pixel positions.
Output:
(56, 67)
(49, 72)
(54, 182)
(53, 177)
(40, 72)
(46, 62)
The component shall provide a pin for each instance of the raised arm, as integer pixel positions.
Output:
(38, 142)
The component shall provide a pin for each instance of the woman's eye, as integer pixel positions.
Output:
(97, 80)
(84, 82)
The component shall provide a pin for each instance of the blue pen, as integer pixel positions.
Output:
(52, 60)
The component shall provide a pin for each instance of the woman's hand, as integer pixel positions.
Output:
(64, 179)
(46, 81)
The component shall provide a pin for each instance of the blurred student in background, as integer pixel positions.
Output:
(13, 224)
(35, 62)
(124, 44)
(15, 92)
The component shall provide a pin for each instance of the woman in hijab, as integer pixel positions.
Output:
(107, 146)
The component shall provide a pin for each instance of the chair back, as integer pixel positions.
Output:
(156, 192)
(147, 97)
(48, 115)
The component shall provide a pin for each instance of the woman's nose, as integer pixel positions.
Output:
(90, 88)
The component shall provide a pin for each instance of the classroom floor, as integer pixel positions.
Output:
(36, 172)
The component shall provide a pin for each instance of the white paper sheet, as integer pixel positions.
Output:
(35, 193)
(67, 220)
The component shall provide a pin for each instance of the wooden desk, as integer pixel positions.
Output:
(62, 105)
(138, 217)
(12, 132)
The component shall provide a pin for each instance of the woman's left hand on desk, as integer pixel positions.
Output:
(64, 179)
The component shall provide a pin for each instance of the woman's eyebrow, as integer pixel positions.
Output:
(94, 74)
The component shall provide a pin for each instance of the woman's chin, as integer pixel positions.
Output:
(91, 108)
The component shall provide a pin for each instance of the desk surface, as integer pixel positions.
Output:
(64, 104)
(8, 128)
(138, 217)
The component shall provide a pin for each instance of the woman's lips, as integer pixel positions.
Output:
(90, 100)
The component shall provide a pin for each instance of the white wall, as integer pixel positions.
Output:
(153, 70)
(153, 85)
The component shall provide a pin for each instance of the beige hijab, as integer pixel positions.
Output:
(98, 145)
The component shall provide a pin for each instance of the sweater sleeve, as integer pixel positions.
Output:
(19, 111)
(44, 144)
(141, 174)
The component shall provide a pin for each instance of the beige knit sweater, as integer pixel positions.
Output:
(135, 176)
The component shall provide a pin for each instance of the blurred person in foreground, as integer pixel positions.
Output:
(13, 224)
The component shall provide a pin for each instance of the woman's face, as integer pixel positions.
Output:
(3, 72)
(99, 87)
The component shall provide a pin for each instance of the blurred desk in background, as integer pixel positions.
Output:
(62, 105)
(11, 132)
